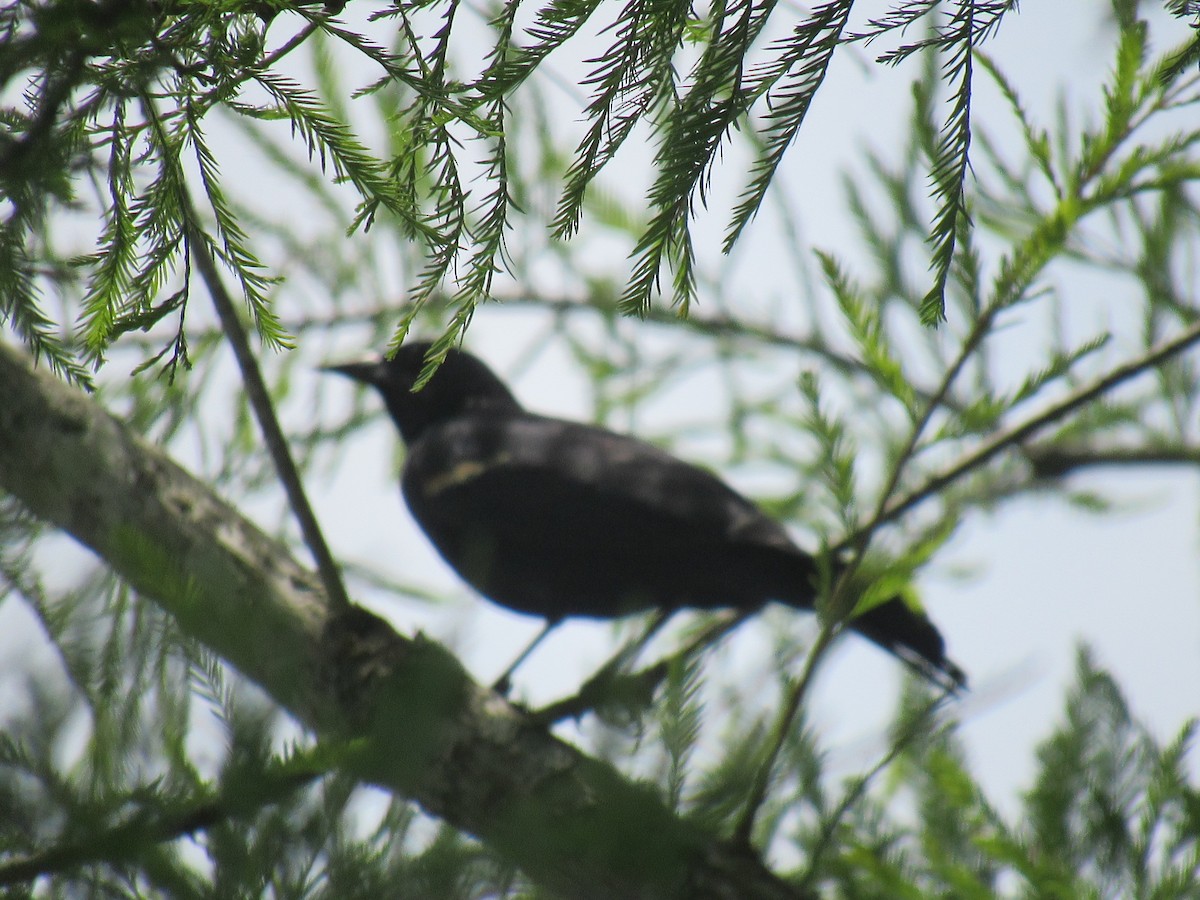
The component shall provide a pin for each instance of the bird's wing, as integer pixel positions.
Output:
(561, 482)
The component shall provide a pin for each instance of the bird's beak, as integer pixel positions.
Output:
(368, 371)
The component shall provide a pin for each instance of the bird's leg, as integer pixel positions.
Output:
(503, 684)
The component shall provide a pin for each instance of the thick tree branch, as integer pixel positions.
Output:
(419, 725)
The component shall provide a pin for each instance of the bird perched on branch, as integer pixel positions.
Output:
(560, 519)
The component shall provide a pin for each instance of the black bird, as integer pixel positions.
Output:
(560, 519)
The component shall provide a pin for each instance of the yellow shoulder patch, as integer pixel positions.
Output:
(462, 473)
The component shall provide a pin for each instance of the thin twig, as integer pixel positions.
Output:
(57, 91)
(146, 826)
(1017, 434)
(744, 829)
(720, 326)
(839, 607)
(914, 726)
(264, 411)
(715, 326)
(1055, 462)
(291, 44)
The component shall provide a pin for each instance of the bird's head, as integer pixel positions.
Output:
(461, 384)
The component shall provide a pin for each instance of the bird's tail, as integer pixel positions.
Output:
(912, 638)
(894, 625)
